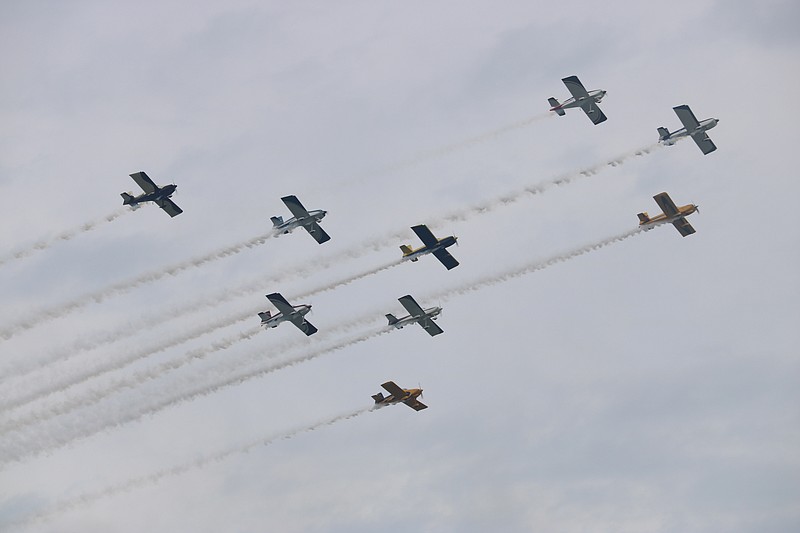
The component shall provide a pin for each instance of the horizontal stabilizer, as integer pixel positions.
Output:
(556, 106)
(276, 221)
(406, 249)
(378, 397)
(643, 218)
(126, 198)
(392, 319)
(663, 134)
(266, 315)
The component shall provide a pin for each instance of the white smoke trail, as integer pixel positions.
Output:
(124, 286)
(195, 464)
(18, 446)
(447, 149)
(529, 268)
(44, 244)
(44, 388)
(532, 190)
(93, 396)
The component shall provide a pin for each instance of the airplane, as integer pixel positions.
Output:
(423, 317)
(302, 217)
(580, 98)
(692, 128)
(672, 214)
(152, 193)
(286, 311)
(432, 246)
(397, 395)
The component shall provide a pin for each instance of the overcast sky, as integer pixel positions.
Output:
(650, 384)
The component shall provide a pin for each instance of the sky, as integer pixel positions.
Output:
(590, 376)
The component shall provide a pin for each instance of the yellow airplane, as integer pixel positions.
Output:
(672, 214)
(396, 395)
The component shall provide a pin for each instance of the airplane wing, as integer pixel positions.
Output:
(280, 302)
(316, 231)
(295, 206)
(666, 204)
(683, 226)
(447, 260)
(687, 117)
(425, 235)
(144, 181)
(411, 306)
(304, 325)
(705, 144)
(415, 404)
(430, 326)
(575, 87)
(393, 389)
(169, 206)
(593, 112)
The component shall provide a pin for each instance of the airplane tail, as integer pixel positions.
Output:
(643, 218)
(555, 106)
(663, 134)
(126, 198)
(378, 397)
(276, 221)
(406, 249)
(392, 319)
(266, 315)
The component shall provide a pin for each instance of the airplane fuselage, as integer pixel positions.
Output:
(675, 136)
(408, 394)
(596, 95)
(657, 220)
(159, 194)
(293, 223)
(431, 312)
(275, 320)
(414, 255)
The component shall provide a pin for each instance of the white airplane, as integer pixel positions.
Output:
(423, 317)
(302, 218)
(586, 100)
(672, 214)
(692, 128)
(287, 311)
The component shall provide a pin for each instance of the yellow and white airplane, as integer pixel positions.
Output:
(672, 214)
(397, 395)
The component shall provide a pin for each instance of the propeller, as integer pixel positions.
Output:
(419, 386)
(697, 208)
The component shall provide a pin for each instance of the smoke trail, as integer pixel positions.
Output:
(47, 387)
(15, 447)
(124, 286)
(532, 190)
(44, 244)
(447, 149)
(198, 463)
(529, 268)
(94, 396)
(240, 375)
(138, 378)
